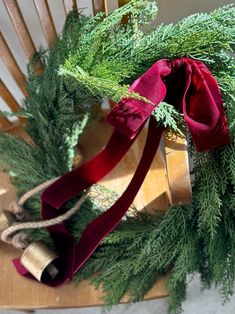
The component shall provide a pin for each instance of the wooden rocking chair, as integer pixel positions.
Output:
(167, 182)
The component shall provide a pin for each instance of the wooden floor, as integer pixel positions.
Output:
(20, 293)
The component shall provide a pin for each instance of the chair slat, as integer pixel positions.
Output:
(20, 27)
(4, 123)
(178, 174)
(110, 6)
(9, 60)
(9, 99)
(70, 5)
(122, 2)
(46, 20)
(98, 6)
(22, 32)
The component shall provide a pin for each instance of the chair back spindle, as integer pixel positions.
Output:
(46, 20)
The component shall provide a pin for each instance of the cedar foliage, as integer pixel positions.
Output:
(99, 57)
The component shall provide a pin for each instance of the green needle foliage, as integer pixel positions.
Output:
(111, 55)
(169, 117)
(99, 57)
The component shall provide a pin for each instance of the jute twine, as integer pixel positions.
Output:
(14, 234)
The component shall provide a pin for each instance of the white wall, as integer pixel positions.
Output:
(169, 11)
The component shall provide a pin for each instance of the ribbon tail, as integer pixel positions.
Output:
(99, 228)
(74, 257)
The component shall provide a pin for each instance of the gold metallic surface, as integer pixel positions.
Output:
(38, 258)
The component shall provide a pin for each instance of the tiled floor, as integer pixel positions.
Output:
(198, 302)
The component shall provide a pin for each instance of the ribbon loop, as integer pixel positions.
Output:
(130, 114)
(203, 110)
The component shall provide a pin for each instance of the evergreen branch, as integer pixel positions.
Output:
(169, 117)
(105, 57)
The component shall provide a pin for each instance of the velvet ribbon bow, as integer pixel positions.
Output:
(185, 83)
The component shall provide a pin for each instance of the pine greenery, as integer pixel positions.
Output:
(100, 57)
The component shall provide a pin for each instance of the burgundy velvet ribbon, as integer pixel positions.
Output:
(190, 87)
(185, 83)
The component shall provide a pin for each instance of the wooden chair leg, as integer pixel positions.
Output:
(178, 174)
